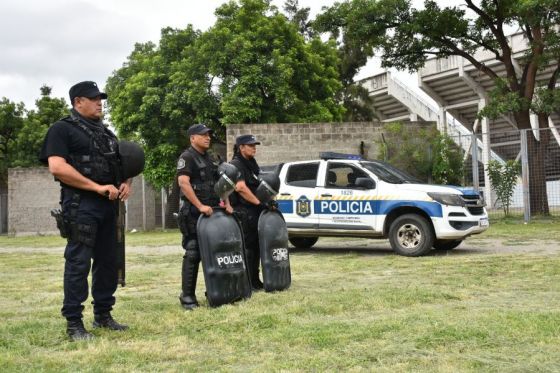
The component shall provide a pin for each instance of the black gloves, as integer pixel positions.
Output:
(270, 205)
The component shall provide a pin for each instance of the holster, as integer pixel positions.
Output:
(183, 218)
(69, 228)
(62, 224)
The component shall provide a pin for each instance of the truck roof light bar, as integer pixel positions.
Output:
(334, 155)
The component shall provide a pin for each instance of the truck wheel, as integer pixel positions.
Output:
(411, 235)
(446, 244)
(303, 242)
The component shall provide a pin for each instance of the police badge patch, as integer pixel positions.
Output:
(181, 163)
(303, 206)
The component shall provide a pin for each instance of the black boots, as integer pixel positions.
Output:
(189, 275)
(253, 261)
(77, 332)
(105, 320)
(189, 302)
(256, 284)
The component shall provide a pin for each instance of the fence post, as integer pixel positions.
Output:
(525, 177)
(163, 204)
(474, 157)
(144, 212)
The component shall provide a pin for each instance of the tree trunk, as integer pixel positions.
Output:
(536, 150)
(172, 205)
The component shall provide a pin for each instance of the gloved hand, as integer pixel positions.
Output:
(272, 205)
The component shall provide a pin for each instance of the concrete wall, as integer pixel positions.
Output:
(33, 193)
(288, 142)
(141, 206)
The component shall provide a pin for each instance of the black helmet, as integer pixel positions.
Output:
(228, 175)
(132, 158)
(268, 187)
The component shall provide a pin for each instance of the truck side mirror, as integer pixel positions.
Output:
(365, 183)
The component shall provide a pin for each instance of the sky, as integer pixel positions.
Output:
(62, 42)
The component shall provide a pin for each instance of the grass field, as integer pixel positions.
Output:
(345, 311)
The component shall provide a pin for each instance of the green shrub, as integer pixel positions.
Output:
(503, 178)
(422, 152)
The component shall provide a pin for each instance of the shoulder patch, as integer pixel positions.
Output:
(181, 164)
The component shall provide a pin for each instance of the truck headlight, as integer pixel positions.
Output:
(448, 199)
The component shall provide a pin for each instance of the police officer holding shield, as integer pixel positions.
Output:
(82, 154)
(246, 204)
(196, 175)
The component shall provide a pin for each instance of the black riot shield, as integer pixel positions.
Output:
(273, 243)
(220, 241)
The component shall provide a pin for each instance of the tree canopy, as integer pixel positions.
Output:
(251, 66)
(22, 131)
(29, 139)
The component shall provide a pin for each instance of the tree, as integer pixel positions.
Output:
(29, 139)
(299, 17)
(261, 70)
(144, 106)
(504, 178)
(11, 121)
(406, 37)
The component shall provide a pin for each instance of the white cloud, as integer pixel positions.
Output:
(61, 42)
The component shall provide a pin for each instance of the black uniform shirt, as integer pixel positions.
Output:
(64, 138)
(186, 165)
(249, 172)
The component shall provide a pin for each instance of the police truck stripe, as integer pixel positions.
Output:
(362, 205)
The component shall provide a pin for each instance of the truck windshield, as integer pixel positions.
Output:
(390, 174)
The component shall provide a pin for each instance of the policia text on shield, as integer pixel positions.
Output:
(83, 155)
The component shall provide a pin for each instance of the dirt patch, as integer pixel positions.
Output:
(469, 246)
(362, 245)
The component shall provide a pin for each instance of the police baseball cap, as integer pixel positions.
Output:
(246, 140)
(198, 129)
(86, 89)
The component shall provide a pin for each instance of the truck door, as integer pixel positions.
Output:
(340, 203)
(297, 192)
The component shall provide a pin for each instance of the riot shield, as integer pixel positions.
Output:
(273, 243)
(220, 241)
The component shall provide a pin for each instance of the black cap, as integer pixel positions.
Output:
(85, 89)
(198, 129)
(246, 140)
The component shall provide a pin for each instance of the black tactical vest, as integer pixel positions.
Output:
(203, 181)
(102, 164)
(251, 179)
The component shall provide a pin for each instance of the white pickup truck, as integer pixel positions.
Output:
(344, 196)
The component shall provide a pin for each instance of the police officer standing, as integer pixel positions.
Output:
(246, 204)
(197, 172)
(82, 154)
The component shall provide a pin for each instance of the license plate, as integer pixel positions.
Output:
(483, 223)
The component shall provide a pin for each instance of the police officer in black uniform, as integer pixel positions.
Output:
(246, 204)
(196, 175)
(82, 154)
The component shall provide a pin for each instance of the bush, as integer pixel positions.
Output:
(503, 178)
(422, 152)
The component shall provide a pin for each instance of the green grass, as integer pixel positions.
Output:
(346, 311)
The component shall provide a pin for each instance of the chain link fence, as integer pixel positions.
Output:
(536, 153)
